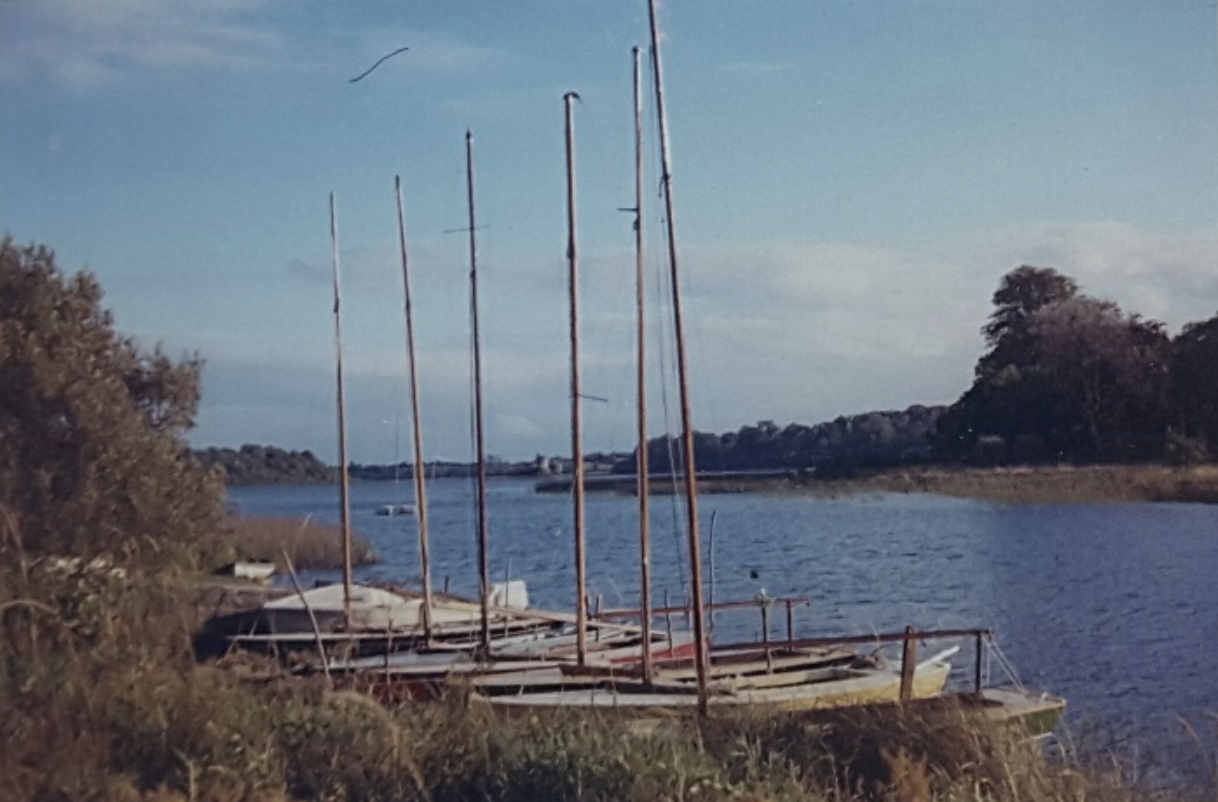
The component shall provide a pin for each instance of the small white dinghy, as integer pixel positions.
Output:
(395, 509)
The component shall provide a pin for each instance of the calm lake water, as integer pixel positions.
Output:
(1114, 606)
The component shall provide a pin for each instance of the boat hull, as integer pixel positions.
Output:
(847, 687)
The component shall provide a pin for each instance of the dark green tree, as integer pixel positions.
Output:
(1194, 389)
(1067, 378)
(1020, 294)
(92, 460)
(1109, 376)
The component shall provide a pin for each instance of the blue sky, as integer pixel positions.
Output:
(852, 180)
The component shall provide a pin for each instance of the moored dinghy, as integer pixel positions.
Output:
(514, 664)
(376, 620)
(830, 687)
(395, 509)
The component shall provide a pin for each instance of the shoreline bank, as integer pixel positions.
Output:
(1021, 484)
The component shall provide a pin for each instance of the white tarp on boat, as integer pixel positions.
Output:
(377, 610)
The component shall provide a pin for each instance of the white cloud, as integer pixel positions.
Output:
(432, 52)
(840, 299)
(82, 45)
(791, 331)
(1166, 277)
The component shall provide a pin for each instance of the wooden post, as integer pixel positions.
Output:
(765, 634)
(667, 616)
(909, 660)
(977, 665)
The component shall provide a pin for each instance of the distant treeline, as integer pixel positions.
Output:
(1066, 379)
(271, 465)
(441, 469)
(875, 439)
(267, 465)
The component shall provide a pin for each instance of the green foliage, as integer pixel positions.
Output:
(871, 439)
(91, 456)
(1067, 378)
(1181, 449)
(266, 465)
(344, 747)
(1020, 294)
(1194, 389)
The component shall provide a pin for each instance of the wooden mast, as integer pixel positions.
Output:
(643, 487)
(420, 486)
(577, 452)
(344, 478)
(479, 439)
(691, 473)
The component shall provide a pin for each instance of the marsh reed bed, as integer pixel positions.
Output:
(310, 544)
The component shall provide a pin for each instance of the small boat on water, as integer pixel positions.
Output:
(395, 509)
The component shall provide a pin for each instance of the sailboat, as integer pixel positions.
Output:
(403, 507)
(813, 677)
(794, 675)
(360, 619)
(508, 660)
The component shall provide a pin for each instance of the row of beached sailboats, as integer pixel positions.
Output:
(502, 653)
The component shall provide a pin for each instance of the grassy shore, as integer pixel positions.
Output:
(101, 699)
(1035, 484)
(308, 543)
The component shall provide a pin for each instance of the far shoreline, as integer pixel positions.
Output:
(1012, 484)
(1035, 484)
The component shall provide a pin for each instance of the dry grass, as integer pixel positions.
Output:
(310, 544)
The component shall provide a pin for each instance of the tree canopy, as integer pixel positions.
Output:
(92, 460)
(1072, 378)
(1195, 380)
(1020, 295)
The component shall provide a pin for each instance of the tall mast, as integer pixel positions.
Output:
(483, 560)
(344, 479)
(643, 488)
(577, 451)
(420, 486)
(691, 473)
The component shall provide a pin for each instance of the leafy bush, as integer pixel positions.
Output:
(91, 460)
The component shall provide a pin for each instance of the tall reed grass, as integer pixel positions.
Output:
(309, 543)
